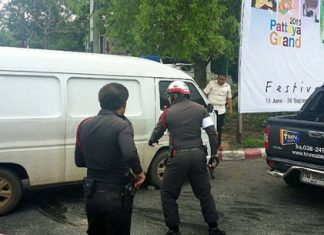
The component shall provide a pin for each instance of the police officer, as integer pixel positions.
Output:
(184, 120)
(105, 146)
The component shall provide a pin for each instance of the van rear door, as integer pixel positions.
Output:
(32, 125)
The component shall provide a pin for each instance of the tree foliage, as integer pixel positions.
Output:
(48, 24)
(195, 31)
(7, 39)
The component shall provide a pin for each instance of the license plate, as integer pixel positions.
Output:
(310, 177)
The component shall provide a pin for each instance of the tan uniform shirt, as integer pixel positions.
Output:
(218, 95)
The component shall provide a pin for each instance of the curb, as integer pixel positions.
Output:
(241, 154)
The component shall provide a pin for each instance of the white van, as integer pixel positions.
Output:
(45, 94)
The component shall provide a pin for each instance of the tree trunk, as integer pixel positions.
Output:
(200, 72)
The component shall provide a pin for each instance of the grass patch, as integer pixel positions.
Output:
(252, 143)
(252, 135)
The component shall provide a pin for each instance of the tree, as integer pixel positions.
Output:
(16, 19)
(190, 30)
(48, 24)
(7, 39)
(228, 63)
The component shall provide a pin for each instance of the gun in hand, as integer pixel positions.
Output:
(128, 193)
(212, 164)
(211, 172)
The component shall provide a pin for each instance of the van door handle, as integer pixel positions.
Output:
(316, 134)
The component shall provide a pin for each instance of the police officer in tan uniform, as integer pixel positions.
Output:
(219, 94)
(184, 121)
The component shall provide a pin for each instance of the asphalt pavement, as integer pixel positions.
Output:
(249, 201)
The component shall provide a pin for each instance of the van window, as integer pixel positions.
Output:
(83, 96)
(194, 94)
(29, 97)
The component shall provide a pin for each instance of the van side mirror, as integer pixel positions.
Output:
(210, 108)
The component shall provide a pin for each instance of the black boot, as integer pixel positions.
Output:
(216, 231)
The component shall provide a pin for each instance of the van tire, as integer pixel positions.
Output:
(157, 168)
(10, 190)
(293, 179)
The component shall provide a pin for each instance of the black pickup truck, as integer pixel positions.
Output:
(294, 143)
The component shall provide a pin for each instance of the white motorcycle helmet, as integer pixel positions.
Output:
(177, 90)
(178, 86)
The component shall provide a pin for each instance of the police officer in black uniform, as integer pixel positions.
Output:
(184, 120)
(105, 146)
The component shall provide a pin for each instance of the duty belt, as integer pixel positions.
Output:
(187, 150)
(102, 186)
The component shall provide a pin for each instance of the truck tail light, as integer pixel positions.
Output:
(271, 163)
(266, 137)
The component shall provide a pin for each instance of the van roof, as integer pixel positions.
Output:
(37, 60)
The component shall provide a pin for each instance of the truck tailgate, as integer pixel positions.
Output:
(297, 140)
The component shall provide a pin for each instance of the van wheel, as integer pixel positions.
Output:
(293, 179)
(157, 169)
(10, 190)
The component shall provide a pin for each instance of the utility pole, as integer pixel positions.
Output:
(239, 128)
(94, 34)
(91, 26)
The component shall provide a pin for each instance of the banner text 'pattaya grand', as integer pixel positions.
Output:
(282, 54)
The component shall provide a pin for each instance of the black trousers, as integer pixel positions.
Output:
(105, 214)
(220, 124)
(190, 165)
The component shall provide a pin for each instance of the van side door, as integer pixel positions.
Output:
(82, 102)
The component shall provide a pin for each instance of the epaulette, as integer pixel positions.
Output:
(163, 117)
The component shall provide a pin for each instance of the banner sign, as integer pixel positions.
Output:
(281, 55)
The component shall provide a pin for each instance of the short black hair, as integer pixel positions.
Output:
(112, 96)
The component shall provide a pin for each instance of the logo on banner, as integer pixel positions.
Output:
(289, 137)
(285, 30)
